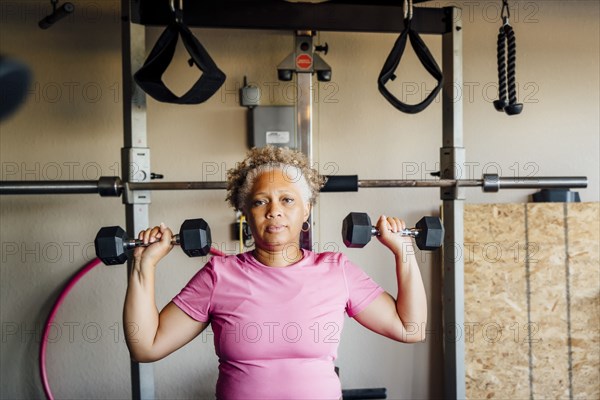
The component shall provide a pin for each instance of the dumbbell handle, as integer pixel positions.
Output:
(133, 243)
(412, 232)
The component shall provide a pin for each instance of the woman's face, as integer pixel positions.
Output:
(276, 211)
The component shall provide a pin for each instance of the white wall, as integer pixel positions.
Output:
(71, 128)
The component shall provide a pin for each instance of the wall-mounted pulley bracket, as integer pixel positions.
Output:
(305, 59)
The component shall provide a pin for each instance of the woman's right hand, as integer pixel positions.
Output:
(160, 237)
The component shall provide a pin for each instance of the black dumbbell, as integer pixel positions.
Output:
(357, 231)
(112, 242)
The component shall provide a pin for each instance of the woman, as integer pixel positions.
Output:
(277, 311)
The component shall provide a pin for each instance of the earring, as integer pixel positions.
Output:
(307, 226)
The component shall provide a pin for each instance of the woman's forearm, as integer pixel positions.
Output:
(140, 314)
(411, 301)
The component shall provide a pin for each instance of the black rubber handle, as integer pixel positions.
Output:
(61, 12)
(341, 183)
(361, 394)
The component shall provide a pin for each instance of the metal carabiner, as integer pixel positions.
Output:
(177, 12)
(408, 10)
(505, 13)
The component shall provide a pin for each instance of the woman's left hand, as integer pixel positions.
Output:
(388, 228)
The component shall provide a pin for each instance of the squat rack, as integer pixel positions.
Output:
(383, 16)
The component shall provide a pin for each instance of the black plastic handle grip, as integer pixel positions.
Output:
(60, 13)
(341, 183)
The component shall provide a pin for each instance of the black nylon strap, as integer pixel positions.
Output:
(149, 77)
(392, 62)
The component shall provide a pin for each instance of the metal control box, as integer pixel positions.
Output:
(273, 125)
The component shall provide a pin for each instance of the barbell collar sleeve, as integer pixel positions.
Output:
(106, 186)
(110, 186)
(48, 187)
(493, 182)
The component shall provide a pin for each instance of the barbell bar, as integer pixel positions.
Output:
(113, 186)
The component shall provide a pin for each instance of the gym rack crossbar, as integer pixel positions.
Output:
(112, 186)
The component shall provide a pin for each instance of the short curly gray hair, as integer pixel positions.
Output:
(293, 163)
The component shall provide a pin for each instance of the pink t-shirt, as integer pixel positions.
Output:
(277, 330)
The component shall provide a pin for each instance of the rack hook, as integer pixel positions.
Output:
(408, 10)
(178, 12)
(505, 13)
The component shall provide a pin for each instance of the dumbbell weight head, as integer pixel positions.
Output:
(430, 233)
(194, 237)
(109, 244)
(356, 230)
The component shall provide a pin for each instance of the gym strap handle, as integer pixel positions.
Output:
(393, 60)
(149, 77)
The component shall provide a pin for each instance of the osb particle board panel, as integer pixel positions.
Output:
(584, 262)
(532, 300)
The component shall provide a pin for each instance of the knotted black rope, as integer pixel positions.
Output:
(507, 45)
(501, 102)
(512, 65)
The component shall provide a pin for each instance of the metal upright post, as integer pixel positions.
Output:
(304, 118)
(302, 63)
(452, 159)
(304, 109)
(135, 159)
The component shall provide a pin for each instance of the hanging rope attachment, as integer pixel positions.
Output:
(507, 83)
